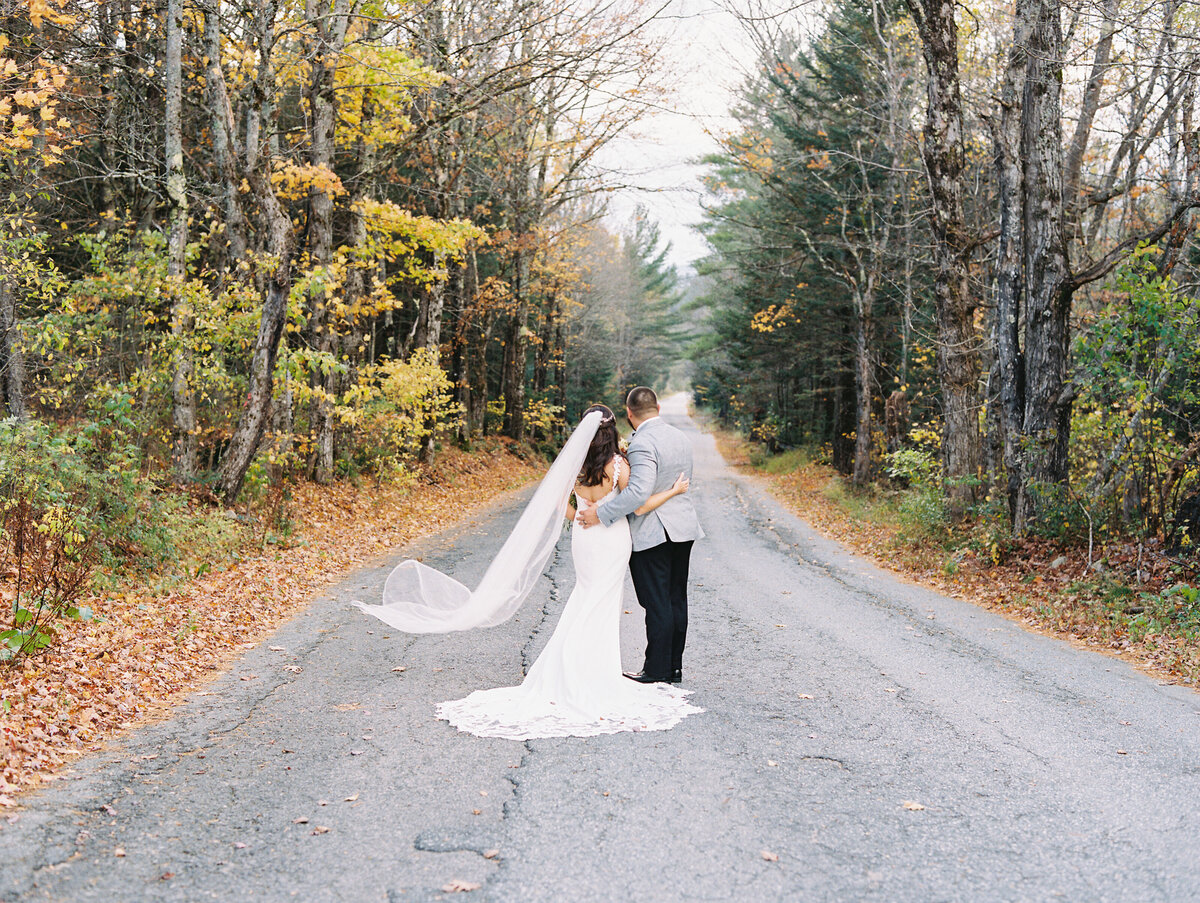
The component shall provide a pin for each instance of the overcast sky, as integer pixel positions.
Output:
(706, 54)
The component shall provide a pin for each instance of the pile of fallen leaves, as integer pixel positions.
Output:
(143, 648)
(1053, 587)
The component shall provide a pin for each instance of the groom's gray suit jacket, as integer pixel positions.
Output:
(658, 454)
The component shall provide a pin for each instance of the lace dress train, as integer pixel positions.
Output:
(575, 688)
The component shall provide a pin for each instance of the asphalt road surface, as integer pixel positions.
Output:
(835, 694)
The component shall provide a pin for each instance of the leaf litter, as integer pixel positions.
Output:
(144, 648)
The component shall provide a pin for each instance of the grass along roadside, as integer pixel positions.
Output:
(1124, 598)
(160, 636)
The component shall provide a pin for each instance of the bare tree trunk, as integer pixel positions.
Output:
(1091, 100)
(512, 375)
(108, 96)
(1010, 178)
(224, 142)
(863, 340)
(1047, 416)
(895, 417)
(429, 313)
(12, 359)
(183, 397)
(1184, 187)
(958, 345)
(278, 227)
(253, 422)
(330, 24)
(471, 346)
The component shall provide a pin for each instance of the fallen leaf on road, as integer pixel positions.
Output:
(772, 763)
(238, 845)
(483, 793)
(248, 676)
(302, 820)
(768, 856)
(356, 752)
(119, 852)
(890, 690)
(166, 876)
(1121, 752)
(322, 802)
(320, 829)
(400, 668)
(805, 695)
(277, 649)
(491, 854)
(459, 886)
(909, 804)
(351, 799)
(295, 669)
(477, 812)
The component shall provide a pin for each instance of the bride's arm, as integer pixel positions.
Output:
(655, 501)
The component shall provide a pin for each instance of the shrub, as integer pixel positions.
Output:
(913, 467)
(397, 406)
(48, 540)
(50, 563)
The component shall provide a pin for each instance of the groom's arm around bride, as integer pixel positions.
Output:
(662, 539)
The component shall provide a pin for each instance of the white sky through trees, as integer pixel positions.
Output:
(705, 57)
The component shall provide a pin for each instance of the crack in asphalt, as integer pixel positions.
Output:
(483, 841)
(959, 645)
(818, 779)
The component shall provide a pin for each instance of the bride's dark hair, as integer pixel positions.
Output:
(605, 445)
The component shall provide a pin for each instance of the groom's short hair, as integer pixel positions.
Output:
(642, 401)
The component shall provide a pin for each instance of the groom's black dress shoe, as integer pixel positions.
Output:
(676, 676)
(641, 678)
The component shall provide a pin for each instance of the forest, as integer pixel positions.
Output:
(954, 250)
(248, 247)
(247, 244)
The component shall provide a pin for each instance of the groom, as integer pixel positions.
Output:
(662, 539)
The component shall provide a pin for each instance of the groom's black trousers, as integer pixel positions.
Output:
(660, 576)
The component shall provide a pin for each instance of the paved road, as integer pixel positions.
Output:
(834, 694)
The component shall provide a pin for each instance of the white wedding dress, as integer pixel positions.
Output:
(575, 688)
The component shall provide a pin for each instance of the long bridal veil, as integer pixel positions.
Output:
(421, 599)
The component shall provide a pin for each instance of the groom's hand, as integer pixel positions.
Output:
(587, 516)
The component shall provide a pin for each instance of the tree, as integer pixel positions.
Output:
(958, 343)
(183, 450)
(1043, 189)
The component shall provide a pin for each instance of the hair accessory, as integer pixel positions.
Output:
(605, 421)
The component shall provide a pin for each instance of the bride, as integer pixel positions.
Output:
(575, 688)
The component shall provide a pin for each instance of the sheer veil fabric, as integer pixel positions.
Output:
(575, 688)
(421, 599)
